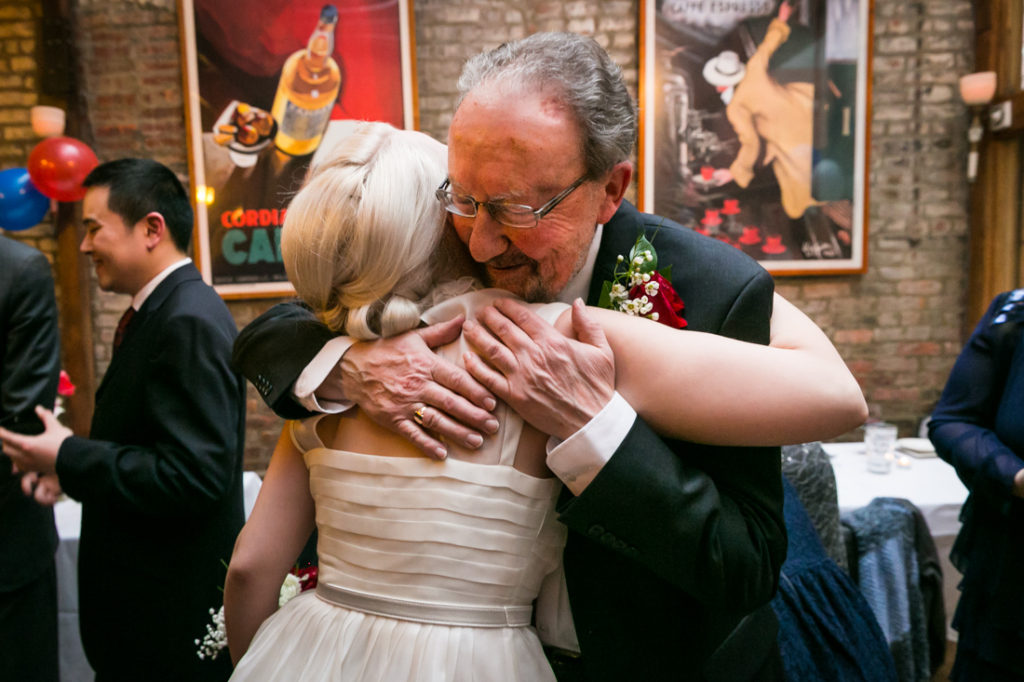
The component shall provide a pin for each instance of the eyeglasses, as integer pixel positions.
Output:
(512, 215)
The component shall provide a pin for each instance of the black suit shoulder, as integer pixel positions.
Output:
(185, 294)
(724, 290)
(29, 336)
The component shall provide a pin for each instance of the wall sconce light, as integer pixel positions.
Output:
(47, 121)
(976, 90)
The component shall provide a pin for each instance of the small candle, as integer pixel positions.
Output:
(903, 461)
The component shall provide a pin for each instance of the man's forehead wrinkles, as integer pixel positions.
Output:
(504, 194)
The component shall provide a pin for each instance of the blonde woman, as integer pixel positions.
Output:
(428, 569)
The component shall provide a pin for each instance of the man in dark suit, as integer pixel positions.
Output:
(675, 548)
(160, 475)
(29, 367)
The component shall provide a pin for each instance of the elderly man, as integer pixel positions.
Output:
(159, 477)
(674, 548)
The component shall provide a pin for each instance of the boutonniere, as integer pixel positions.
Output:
(65, 389)
(638, 288)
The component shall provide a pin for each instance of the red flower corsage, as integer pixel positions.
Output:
(641, 289)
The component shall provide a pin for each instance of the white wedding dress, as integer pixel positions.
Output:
(427, 570)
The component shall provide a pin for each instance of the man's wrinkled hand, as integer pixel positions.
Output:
(555, 383)
(391, 379)
(36, 453)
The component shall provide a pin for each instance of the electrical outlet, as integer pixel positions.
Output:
(1000, 116)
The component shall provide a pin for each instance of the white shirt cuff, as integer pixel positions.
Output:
(579, 458)
(316, 372)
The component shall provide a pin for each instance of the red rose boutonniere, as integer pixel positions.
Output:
(64, 385)
(65, 389)
(639, 288)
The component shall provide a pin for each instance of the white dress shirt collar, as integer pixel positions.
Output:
(579, 284)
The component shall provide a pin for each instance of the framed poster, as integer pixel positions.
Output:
(269, 84)
(754, 126)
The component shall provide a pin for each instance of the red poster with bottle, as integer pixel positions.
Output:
(271, 84)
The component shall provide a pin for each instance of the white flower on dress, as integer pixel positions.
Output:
(289, 588)
(216, 638)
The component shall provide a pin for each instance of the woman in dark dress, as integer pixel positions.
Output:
(978, 427)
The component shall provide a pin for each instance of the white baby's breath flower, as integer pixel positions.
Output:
(216, 637)
(643, 305)
(633, 277)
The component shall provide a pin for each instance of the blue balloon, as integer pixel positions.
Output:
(21, 205)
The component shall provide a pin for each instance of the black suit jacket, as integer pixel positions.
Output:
(29, 368)
(675, 547)
(160, 484)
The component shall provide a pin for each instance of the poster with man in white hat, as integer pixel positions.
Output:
(759, 126)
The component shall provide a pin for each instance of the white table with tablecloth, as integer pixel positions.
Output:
(73, 665)
(929, 482)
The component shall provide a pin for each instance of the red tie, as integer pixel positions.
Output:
(122, 325)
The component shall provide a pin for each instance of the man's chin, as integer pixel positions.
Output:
(522, 282)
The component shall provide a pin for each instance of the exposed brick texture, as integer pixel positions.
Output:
(19, 21)
(898, 326)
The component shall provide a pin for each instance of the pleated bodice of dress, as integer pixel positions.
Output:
(450, 532)
(427, 569)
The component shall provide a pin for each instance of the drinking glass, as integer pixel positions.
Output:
(879, 442)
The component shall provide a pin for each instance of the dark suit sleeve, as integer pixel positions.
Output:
(706, 519)
(193, 408)
(963, 424)
(272, 350)
(31, 360)
(29, 369)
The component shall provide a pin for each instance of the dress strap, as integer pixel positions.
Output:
(304, 435)
(422, 612)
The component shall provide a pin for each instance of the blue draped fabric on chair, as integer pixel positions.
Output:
(827, 630)
(897, 569)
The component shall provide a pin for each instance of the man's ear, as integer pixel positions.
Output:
(614, 189)
(156, 229)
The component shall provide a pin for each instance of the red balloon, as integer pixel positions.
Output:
(58, 165)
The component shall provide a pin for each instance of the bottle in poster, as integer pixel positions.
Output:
(309, 85)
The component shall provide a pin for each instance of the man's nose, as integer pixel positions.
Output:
(86, 245)
(487, 240)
